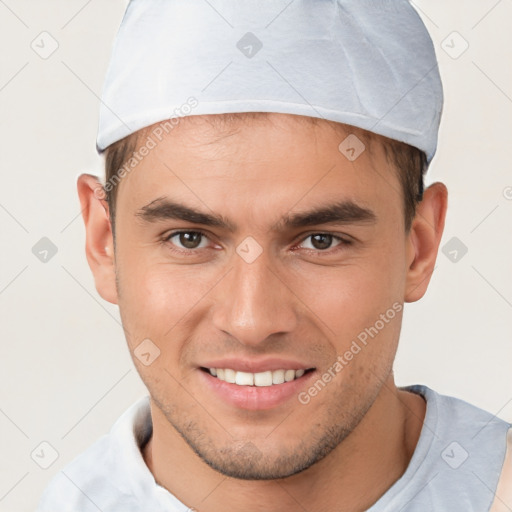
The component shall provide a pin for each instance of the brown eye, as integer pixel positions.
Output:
(321, 241)
(188, 240)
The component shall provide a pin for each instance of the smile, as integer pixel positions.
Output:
(261, 379)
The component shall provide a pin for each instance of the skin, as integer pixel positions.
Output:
(355, 438)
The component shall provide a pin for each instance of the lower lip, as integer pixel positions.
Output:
(255, 398)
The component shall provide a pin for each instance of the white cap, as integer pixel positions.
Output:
(366, 63)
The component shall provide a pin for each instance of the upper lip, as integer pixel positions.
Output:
(256, 366)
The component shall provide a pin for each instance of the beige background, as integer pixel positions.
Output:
(66, 375)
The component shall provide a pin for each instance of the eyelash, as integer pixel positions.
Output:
(343, 242)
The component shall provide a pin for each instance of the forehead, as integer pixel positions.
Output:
(244, 135)
(274, 160)
(217, 129)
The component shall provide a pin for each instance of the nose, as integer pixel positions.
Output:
(254, 302)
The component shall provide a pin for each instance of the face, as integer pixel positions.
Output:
(250, 254)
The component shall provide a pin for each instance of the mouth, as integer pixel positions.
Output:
(254, 384)
(268, 378)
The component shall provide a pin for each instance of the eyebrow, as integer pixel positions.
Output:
(342, 212)
(165, 209)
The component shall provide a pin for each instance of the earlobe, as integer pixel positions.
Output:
(99, 245)
(424, 239)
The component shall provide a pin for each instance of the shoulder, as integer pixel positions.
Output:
(459, 458)
(451, 415)
(99, 477)
(464, 428)
(70, 489)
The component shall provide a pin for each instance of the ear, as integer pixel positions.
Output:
(99, 245)
(424, 239)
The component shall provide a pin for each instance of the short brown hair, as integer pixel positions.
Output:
(409, 161)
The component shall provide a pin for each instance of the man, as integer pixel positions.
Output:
(261, 225)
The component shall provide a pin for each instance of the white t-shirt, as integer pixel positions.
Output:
(456, 466)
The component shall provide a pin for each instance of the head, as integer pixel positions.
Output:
(252, 241)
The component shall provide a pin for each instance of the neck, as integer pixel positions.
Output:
(351, 478)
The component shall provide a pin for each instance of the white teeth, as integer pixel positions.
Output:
(278, 377)
(289, 375)
(261, 379)
(229, 375)
(244, 379)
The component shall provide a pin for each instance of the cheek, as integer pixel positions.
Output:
(350, 300)
(158, 306)
(160, 302)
